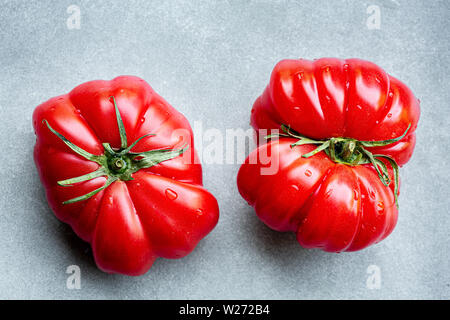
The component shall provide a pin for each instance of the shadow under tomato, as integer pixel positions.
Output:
(82, 250)
(280, 248)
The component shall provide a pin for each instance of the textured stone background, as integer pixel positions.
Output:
(211, 59)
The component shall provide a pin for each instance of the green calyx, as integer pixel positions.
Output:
(115, 164)
(350, 152)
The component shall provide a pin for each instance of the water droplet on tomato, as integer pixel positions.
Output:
(328, 193)
(346, 67)
(199, 212)
(380, 207)
(142, 119)
(308, 173)
(297, 108)
(372, 195)
(122, 91)
(170, 194)
(389, 115)
(299, 75)
(295, 187)
(356, 194)
(359, 107)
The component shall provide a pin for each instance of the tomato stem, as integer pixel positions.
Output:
(350, 152)
(122, 132)
(115, 164)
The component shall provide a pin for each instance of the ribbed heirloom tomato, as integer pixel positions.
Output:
(118, 164)
(346, 126)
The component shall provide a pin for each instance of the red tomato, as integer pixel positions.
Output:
(342, 196)
(118, 164)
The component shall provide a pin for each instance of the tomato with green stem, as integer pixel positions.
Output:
(118, 164)
(343, 127)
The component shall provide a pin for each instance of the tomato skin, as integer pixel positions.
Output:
(331, 97)
(163, 212)
(330, 206)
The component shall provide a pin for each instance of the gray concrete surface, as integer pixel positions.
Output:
(211, 59)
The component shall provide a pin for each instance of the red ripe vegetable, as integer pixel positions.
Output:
(118, 164)
(346, 126)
